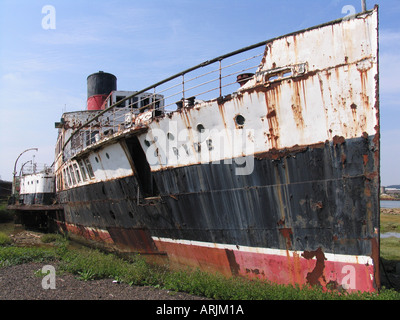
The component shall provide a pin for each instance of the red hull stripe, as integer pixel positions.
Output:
(278, 266)
(89, 233)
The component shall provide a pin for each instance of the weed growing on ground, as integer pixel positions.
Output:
(4, 239)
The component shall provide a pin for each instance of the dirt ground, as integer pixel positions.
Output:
(24, 282)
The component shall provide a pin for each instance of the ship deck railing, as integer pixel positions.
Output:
(207, 81)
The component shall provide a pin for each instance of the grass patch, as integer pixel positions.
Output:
(7, 228)
(18, 255)
(390, 249)
(4, 239)
(390, 223)
(52, 237)
(5, 214)
(88, 264)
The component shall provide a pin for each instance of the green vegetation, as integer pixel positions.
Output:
(4, 239)
(51, 237)
(5, 214)
(390, 223)
(390, 249)
(88, 264)
(10, 255)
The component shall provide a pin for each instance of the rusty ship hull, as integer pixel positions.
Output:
(278, 180)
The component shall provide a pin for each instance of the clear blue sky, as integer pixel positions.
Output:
(43, 72)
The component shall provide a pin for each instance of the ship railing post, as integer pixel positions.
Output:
(154, 103)
(220, 78)
(113, 122)
(183, 89)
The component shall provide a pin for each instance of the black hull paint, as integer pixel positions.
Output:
(37, 199)
(300, 199)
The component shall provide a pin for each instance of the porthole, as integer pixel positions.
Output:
(239, 119)
(130, 215)
(112, 214)
(170, 136)
(200, 128)
(107, 155)
(97, 160)
(147, 142)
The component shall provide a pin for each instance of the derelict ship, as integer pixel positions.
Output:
(263, 162)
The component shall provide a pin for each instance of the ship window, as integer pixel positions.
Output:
(89, 169)
(97, 160)
(119, 98)
(78, 176)
(170, 136)
(133, 102)
(287, 74)
(279, 74)
(71, 172)
(144, 103)
(107, 155)
(90, 137)
(83, 171)
(67, 178)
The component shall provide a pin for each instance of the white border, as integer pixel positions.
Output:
(353, 259)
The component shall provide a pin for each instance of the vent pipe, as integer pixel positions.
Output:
(363, 5)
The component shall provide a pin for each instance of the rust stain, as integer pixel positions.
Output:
(343, 159)
(138, 239)
(271, 114)
(298, 276)
(338, 140)
(275, 154)
(272, 98)
(316, 277)
(365, 158)
(287, 233)
(222, 112)
(375, 259)
(234, 266)
(364, 89)
(281, 222)
(297, 106)
(316, 205)
(353, 107)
